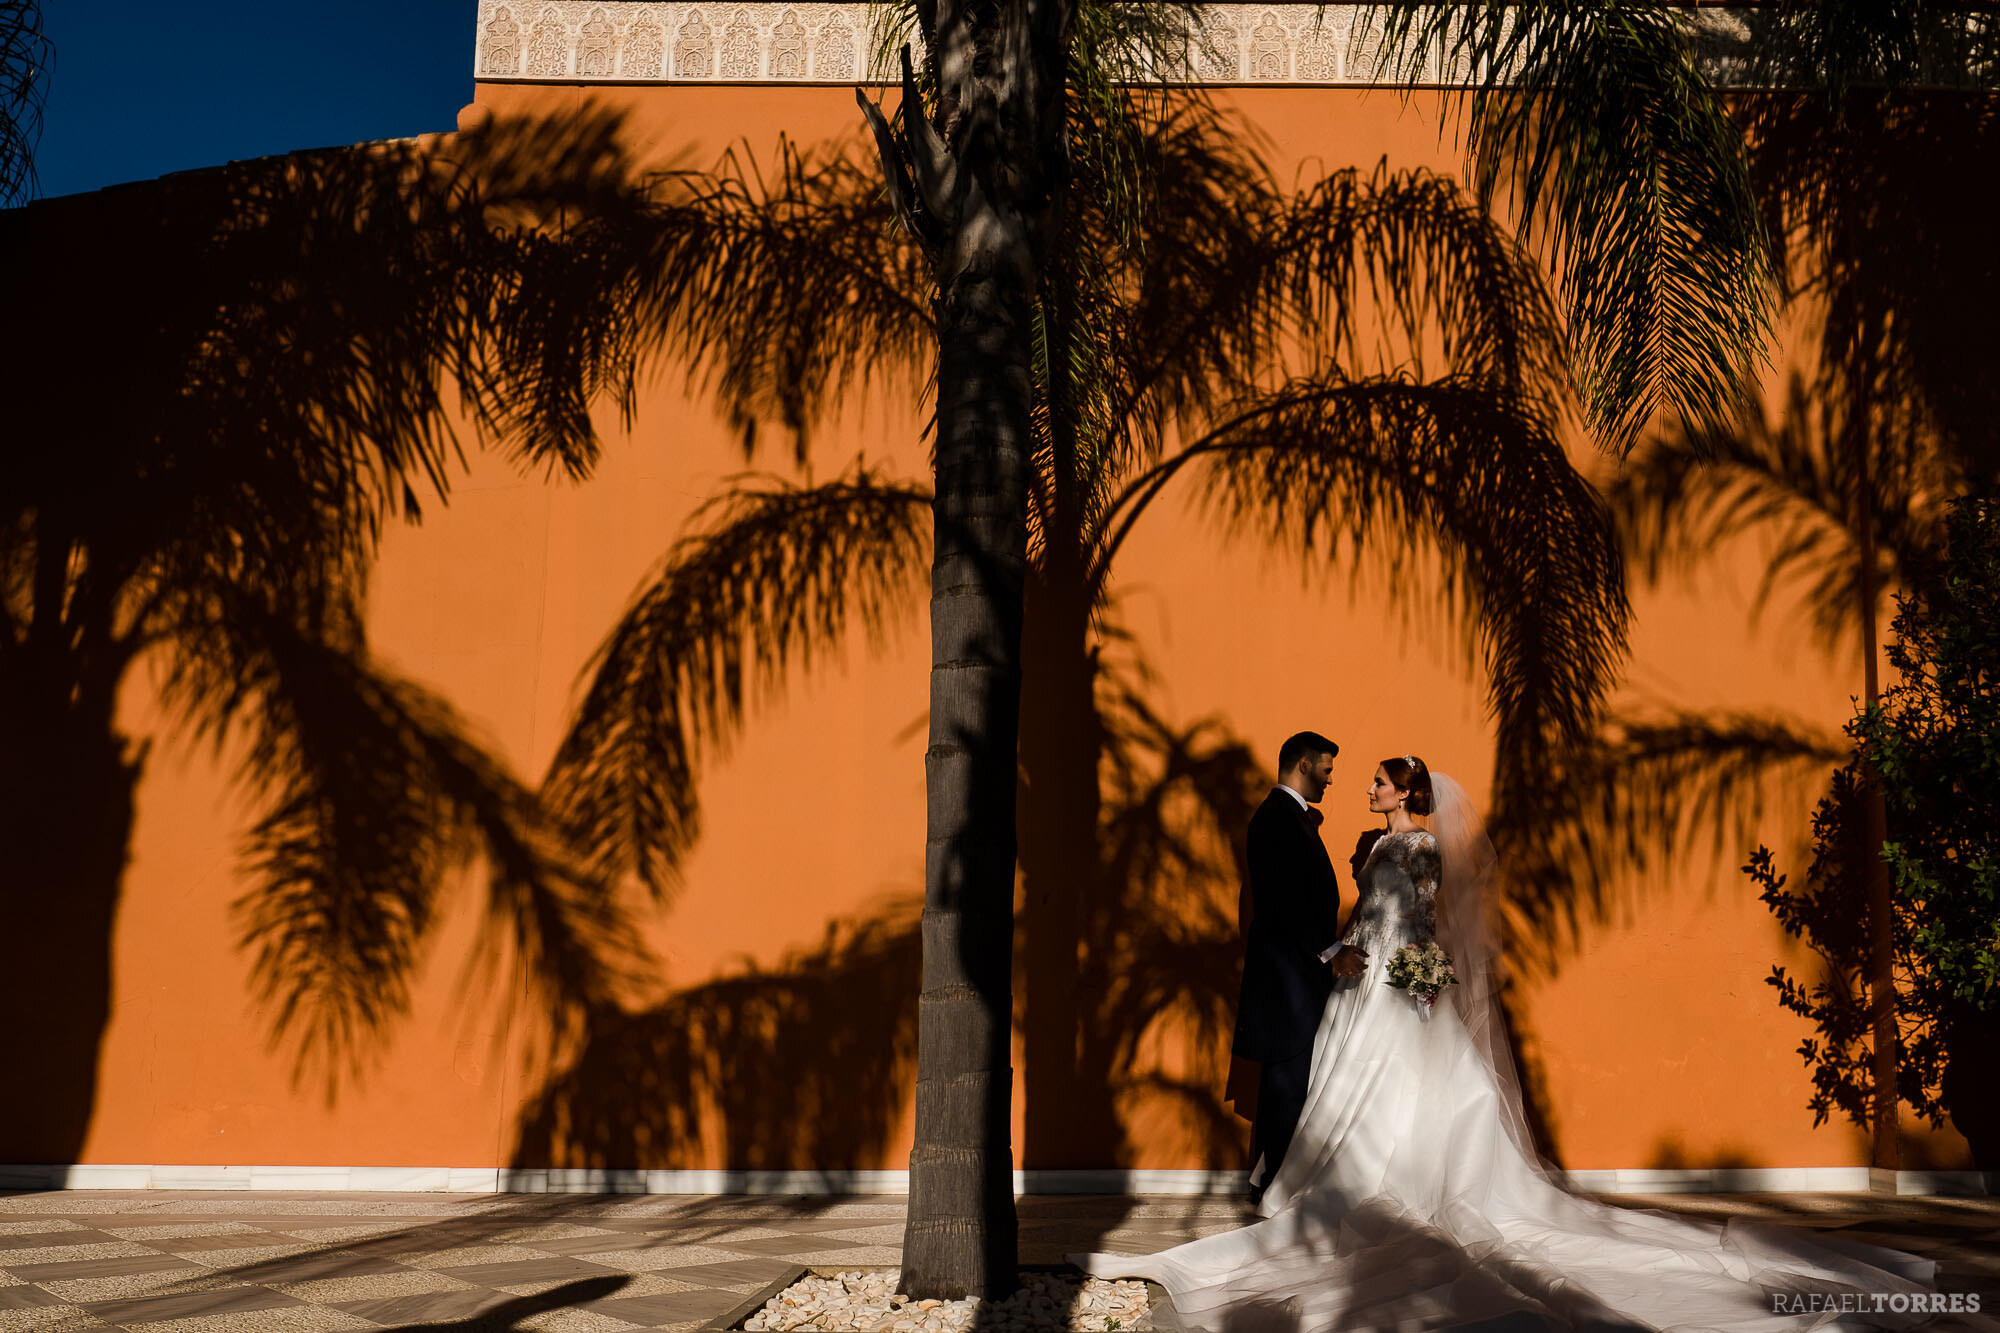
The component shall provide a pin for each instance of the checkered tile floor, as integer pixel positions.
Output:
(185, 1262)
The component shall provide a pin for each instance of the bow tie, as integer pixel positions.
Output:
(1314, 817)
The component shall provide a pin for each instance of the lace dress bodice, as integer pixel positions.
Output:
(1398, 900)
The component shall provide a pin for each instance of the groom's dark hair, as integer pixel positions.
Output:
(1300, 746)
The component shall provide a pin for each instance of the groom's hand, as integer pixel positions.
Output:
(1350, 961)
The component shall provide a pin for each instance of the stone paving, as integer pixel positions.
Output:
(169, 1261)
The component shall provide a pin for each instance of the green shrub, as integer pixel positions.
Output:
(1934, 740)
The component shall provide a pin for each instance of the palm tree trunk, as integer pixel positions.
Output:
(961, 1235)
(979, 177)
(1886, 1147)
(1071, 1120)
(66, 783)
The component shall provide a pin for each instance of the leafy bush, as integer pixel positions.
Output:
(1934, 741)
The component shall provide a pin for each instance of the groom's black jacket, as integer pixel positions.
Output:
(1294, 914)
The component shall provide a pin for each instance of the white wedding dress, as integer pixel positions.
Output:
(1411, 1197)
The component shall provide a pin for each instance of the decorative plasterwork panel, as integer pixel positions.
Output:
(644, 41)
(619, 41)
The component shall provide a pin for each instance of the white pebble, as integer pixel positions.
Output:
(852, 1301)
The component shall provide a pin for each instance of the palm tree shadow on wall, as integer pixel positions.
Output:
(223, 385)
(797, 1067)
(807, 1065)
(1846, 475)
(1262, 351)
(1659, 785)
(1891, 284)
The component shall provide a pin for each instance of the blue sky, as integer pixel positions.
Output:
(143, 88)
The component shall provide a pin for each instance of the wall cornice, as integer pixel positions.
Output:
(645, 41)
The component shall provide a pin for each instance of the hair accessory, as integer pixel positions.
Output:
(1411, 760)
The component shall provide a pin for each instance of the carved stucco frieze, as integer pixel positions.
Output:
(697, 41)
(643, 41)
(619, 41)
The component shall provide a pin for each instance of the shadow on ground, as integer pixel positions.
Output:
(514, 1314)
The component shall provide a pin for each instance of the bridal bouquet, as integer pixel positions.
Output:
(1422, 970)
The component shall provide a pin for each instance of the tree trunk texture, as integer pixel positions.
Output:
(978, 177)
(1067, 899)
(66, 785)
(961, 1236)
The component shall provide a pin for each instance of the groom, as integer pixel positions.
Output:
(1294, 913)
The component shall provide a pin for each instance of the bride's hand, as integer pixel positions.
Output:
(1350, 961)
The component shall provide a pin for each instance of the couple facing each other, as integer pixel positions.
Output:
(1288, 971)
(1395, 1175)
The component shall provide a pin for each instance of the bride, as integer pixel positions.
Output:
(1411, 1196)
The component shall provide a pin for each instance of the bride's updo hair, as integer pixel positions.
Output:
(1413, 779)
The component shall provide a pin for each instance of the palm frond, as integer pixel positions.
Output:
(1395, 469)
(1076, 451)
(313, 306)
(772, 577)
(1080, 340)
(1231, 285)
(1117, 55)
(1792, 483)
(1834, 46)
(1628, 168)
(375, 798)
(286, 330)
(288, 325)
(1430, 256)
(446, 262)
(1175, 800)
(1165, 950)
(1887, 248)
(806, 1063)
(1241, 282)
(25, 56)
(1115, 102)
(786, 292)
(1648, 789)
(895, 24)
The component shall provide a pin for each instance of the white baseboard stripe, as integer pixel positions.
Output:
(535, 1180)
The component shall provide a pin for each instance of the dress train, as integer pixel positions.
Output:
(1405, 1202)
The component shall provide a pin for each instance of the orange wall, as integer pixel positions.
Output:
(1659, 1041)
